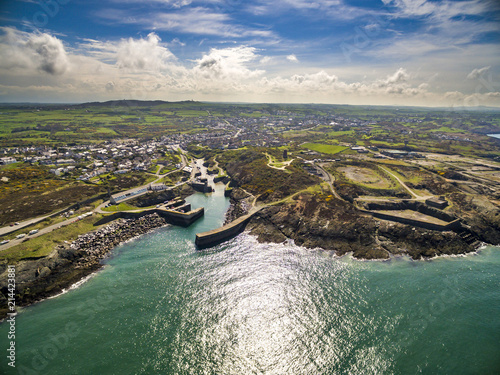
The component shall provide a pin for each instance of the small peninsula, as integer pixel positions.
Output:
(373, 209)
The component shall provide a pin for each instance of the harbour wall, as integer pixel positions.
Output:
(452, 225)
(216, 236)
(373, 208)
(183, 219)
(409, 205)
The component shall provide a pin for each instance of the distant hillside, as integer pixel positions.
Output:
(131, 103)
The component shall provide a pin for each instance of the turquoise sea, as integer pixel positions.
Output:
(161, 307)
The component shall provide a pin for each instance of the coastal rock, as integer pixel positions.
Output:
(240, 204)
(332, 224)
(44, 272)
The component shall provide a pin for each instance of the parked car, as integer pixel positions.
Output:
(4, 242)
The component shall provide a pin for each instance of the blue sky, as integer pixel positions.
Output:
(390, 52)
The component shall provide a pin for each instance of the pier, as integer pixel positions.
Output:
(183, 219)
(216, 236)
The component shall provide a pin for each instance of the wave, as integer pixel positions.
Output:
(76, 285)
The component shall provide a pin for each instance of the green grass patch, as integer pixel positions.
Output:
(324, 148)
(120, 207)
(154, 168)
(445, 129)
(340, 133)
(387, 144)
(12, 166)
(173, 178)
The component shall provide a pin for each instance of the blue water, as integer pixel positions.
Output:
(161, 307)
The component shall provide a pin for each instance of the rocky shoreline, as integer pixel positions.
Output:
(239, 205)
(311, 221)
(69, 263)
(331, 224)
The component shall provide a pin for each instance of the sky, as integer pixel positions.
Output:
(372, 52)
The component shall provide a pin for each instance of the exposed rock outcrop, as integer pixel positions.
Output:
(240, 205)
(312, 221)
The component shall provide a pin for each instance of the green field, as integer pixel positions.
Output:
(340, 133)
(445, 129)
(120, 207)
(324, 148)
(62, 125)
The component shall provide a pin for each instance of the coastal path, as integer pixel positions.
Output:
(330, 179)
(284, 163)
(412, 193)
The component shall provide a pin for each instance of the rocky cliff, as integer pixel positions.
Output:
(316, 221)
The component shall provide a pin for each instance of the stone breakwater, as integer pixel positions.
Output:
(95, 246)
(69, 263)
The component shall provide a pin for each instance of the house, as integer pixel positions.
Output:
(59, 171)
(397, 154)
(7, 160)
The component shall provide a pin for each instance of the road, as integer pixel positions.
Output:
(330, 179)
(42, 231)
(415, 195)
(22, 224)
(141, 190)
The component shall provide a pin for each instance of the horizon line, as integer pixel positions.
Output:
(255, 103)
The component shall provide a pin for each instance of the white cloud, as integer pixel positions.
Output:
(100, 50)
(227, 64)
(171, 3)
(477, 73)
(49, 53)
(39, 51)
(394, 85)
(176, 41)
(143, 54)
(458, 99)
(144, 68)
(13, 51)
(266, 60)
(110, 86)
(336, 9)
(194, 20)
(439, 11)
(292, 58)
(401, 76)
(447, 28)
